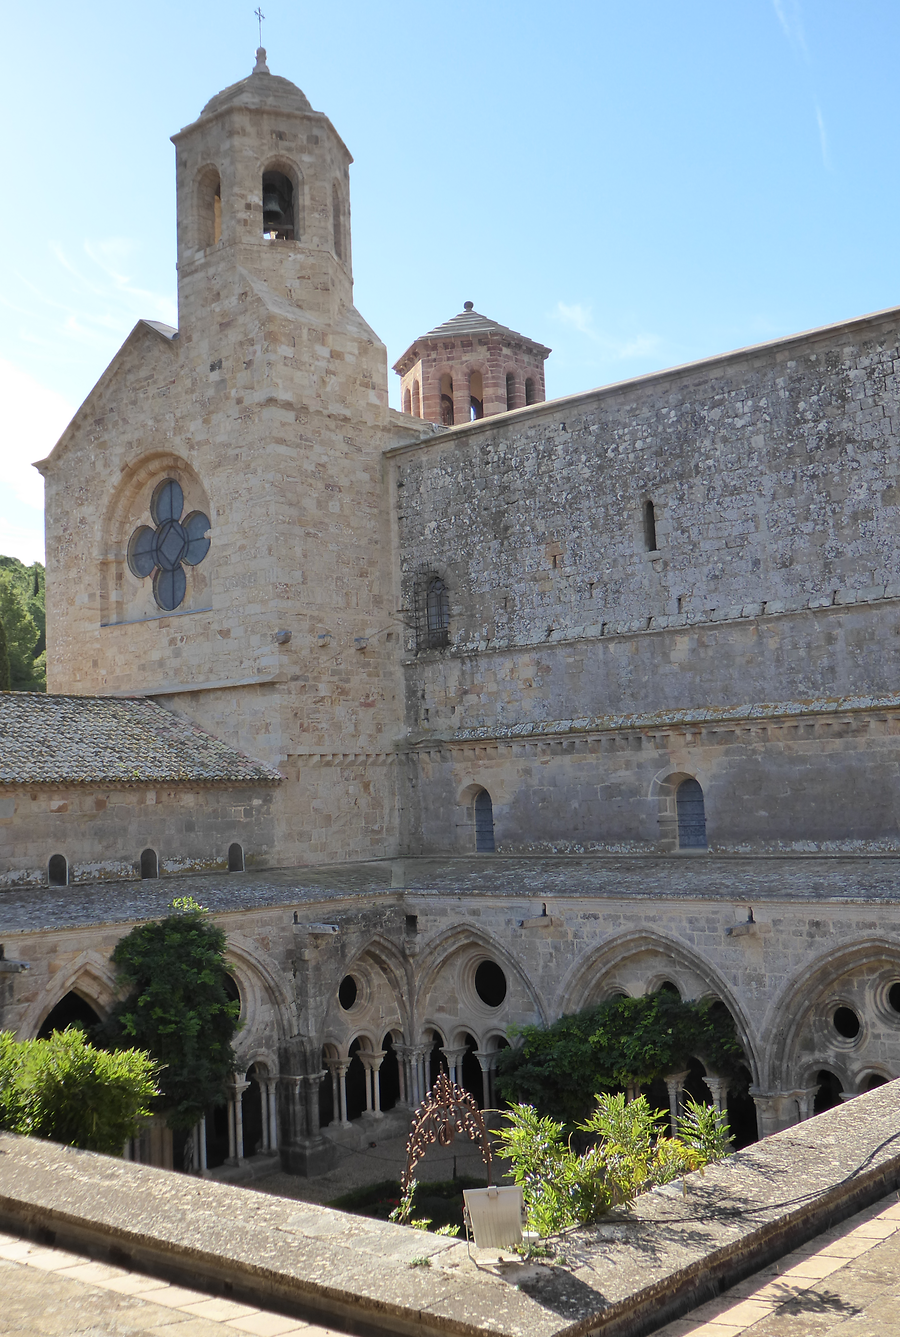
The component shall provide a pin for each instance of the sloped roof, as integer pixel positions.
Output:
(103, 740)
(467, 324)
(260, 89)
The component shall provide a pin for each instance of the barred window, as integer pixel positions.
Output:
(434, 618)
(691, 815)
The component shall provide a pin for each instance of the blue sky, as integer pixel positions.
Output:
(636, 185)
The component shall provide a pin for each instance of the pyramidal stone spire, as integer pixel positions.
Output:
(261, 67)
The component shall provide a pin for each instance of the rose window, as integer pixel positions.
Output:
(164, 551)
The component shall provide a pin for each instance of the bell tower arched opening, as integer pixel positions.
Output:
(278, 206)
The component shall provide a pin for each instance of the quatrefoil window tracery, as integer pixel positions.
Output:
(161, 552)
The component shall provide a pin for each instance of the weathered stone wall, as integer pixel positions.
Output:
(775, 577)
(772, 782)
(102, 831)
(774, 478)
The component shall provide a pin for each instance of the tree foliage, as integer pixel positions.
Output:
(4, 661)
(66, 1090)
(623, 1042)
(22, 612)
(178, 1008)
(628, 1155)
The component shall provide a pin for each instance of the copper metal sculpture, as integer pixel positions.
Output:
(448, 1109)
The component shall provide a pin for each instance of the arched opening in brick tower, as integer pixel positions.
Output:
(209, 208)
(530, 392)
(476, 395)
(510, 390)
(278, 207)
(447, 399)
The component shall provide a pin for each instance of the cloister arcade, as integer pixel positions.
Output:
(395, 1013)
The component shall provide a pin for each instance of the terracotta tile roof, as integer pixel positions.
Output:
(103, 740)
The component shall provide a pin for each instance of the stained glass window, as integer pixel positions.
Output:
(162, 552)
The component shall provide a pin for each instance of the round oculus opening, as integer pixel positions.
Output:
(847, 1023)
(347, 992)
(490, 983)
(894, 996)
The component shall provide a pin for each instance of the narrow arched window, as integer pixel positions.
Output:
(209, 208)
(510, 391)
(337, 220)
(437, 614)
(407, 401)
(484, 823)
(530, 396)
(235, 858)
(58, 871)
(476, 395)
(278, 206)
(691, 816)
(447, 399)
(149, 864)
(417, 399)
(650, 526)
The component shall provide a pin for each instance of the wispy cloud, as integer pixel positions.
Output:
(580, 318)
(790, 17)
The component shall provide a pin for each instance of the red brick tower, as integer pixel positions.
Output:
(470, 367)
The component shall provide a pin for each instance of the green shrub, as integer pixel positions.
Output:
(621, 1043)
(628, 1155)
(178, 1008)
(66, 1090)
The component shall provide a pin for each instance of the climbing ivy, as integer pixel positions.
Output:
(625, 1042)
(178, 1008)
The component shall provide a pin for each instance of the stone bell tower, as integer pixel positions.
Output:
(262, 184)
(217, 533)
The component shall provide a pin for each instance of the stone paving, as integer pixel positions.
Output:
(51, 1293)
(845, 1283)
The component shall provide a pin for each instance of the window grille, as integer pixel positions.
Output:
(691, 816)
(432, 614)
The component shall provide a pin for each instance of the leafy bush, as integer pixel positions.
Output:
(66, 1090)
(629, 1155)
(178, 1008)
(620, 1043)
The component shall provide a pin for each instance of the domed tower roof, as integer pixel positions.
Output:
(259, 89)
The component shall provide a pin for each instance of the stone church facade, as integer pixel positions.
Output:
(458, 727)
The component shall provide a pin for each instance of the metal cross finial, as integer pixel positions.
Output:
(260, 16)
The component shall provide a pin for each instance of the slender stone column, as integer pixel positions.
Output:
(231, 1142)
(338, 1069)
(675, 1085)
(777, 1110)
(718, 1090)
(239, 1089)
(420, 1057)
(454, 1059)
(486, 1060)
(372, 1061)
(407, 1084)
(203, 1151)
(272, 1091)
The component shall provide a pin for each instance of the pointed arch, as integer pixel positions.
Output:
(585, 985)
(791, 1012)
(462, 937)
(90, 975)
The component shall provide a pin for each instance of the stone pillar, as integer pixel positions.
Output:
(239, 1089)
(407, 1085)
(777, 1110)
(264, 1110)
(718, 1090)
(372, 1061)
(338, 1069)
(454, 1059)
(486, 1060)
(231, 1143)
(202, 1140)
(675, 1085)
(312, 1081)
(462, 398)
(272, 1092)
